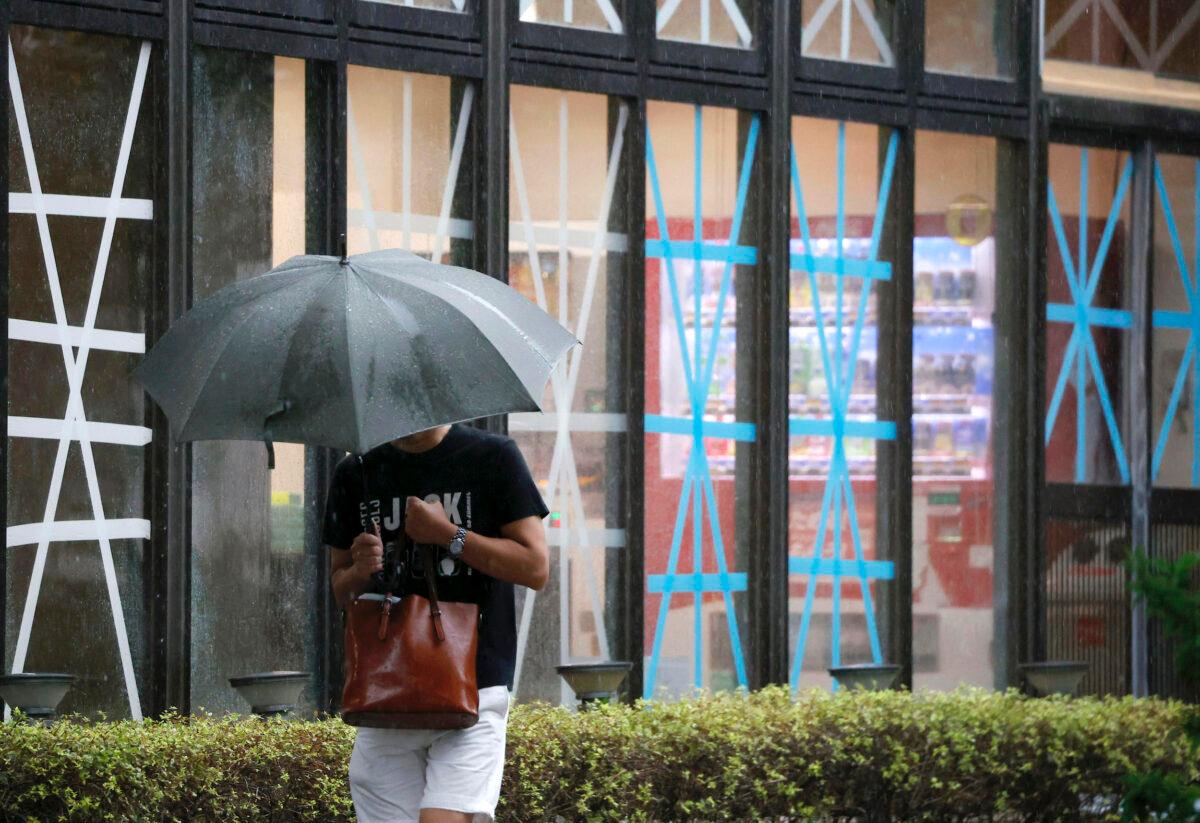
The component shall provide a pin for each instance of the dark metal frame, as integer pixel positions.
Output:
(4, 15)
(488, 45)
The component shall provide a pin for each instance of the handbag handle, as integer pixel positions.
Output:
(435, 610)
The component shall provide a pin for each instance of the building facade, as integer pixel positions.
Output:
(889, 311)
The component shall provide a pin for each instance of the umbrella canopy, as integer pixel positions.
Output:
(351, 353)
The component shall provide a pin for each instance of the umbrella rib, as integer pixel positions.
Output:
(212, 367)
(509, 370)
(417, 283)
(358, 426)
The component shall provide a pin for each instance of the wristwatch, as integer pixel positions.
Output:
(455, 547)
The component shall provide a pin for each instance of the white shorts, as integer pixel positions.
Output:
(394, 773)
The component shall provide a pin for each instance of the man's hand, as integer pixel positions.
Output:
(366, 552)
(427, 522)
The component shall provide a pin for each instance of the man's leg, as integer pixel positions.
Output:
(464, 768)
(387, 774)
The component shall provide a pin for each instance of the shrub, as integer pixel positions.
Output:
(1170, 591)
(870, 756)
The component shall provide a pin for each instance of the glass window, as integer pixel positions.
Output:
(970, 37)
(836, 260)
(567, 253)
(954, 298)
(724, 23)
(1175, 371)
(83, 166)
(253, 578)
(439, 5)
(601, 15)
(407, 137)
(1087, 316)
(1161, 37)
(698, 255)
(858, 31)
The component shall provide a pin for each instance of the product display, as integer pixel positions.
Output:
(952, 359)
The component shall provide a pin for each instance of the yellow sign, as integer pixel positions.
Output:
(969, 220)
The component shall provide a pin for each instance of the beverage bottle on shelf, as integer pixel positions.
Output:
(964, 439)
(943, 440)
(923, 438)
(924, 375)
(943, 286)
(947, 382)
(966, 290)
(923, 292)
(969, 373)
(866, 368)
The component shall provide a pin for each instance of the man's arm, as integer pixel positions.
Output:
(519, 555)
(350, 569)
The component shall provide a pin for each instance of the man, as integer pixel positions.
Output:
(468, 493)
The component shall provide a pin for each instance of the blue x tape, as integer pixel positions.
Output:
(838, 503)
(1081, 315)
(1189, 363)
(698, 363)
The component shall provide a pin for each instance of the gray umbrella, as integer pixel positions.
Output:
(351, 353)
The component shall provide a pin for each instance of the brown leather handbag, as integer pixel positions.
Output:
(410, 661)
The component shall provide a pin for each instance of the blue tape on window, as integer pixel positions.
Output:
(838, 503)
(1080, 356)
(1189, 321)
(699, 360)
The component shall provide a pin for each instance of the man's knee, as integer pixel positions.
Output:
(444, 816)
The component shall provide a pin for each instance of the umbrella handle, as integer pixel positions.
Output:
(284, 406)
(378, 578)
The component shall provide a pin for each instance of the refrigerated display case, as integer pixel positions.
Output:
(953, 367)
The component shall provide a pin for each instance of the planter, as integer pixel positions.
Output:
(36, 694)
(594, 682)
(270, 693)
(870, 676)
(1054, 676)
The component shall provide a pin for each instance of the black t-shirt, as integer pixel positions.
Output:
(483, 483)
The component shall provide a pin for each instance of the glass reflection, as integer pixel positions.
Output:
(969, 37)
(567, 253)
(724, 23)
(253, 578)
(856, 32)
(955, 267)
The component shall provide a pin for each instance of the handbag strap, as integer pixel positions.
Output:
(435, 610)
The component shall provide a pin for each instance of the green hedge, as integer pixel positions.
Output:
(870, 756)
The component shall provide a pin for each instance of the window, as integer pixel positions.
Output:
(698, 263)
(969, 37)
(724, 23)
(1128, 50)
(82, 232)
(1087, 429)
(407, 136)
(857, 31)
(568, 254)
(253, 578)
(955, 271)
(1158, 37)
(1175, 371)
(1087, 315)
(836, 571)
(439, 5)
(599, 15)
